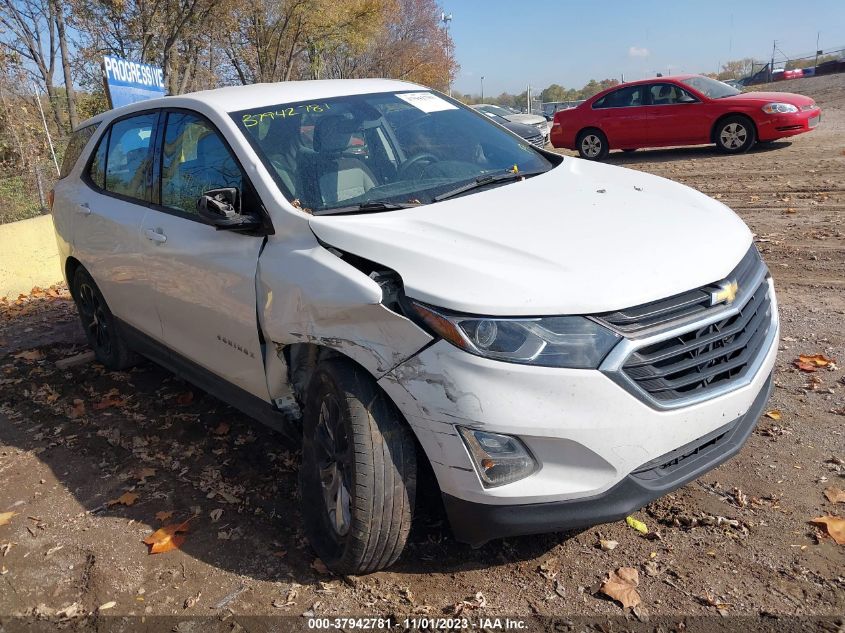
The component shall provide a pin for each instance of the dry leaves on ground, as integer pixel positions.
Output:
(5, 517)
(812, 362)
(637, 525)
(111, 399)
(834, 525)
(168, 538)
(163, 516)
(621, 585)
(774, 414)
(126, 499)
(30, 354)
(834, 494)
(478, 602)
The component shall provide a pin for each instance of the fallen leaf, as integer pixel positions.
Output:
(478, 602)
(78, 409)
(319, 566)
(639, 526)
(168, 538)
(69, 612)
(144, 473)
(774, 414)
(621, 585)
(5, 517)
(811, 362)
(108, 605)
(607, 545)
(184, 399)
(126, 499)
(162, 516)
(111, 399)
(192, 600)
(221, 429)
(31, 354)
(834, 525)
(834, 494)
(216, 514)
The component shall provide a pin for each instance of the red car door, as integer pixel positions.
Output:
(621, 115)
(675, 115)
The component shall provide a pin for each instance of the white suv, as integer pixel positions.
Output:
(402, 285)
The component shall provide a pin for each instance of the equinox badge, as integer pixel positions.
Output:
(726, 293)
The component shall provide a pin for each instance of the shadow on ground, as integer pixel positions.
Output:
(664, 155)
(100, 432)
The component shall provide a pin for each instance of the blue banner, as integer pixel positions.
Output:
(129, 82)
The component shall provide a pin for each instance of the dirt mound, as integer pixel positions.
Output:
(827, 90)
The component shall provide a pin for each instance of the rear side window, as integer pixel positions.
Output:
(623, 98)
(78, 141)
(128, 159)
(194, 160)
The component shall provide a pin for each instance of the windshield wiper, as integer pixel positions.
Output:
(483, 181)
(371, 206)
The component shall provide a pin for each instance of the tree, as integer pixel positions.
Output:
(31, 41)
(736, 69)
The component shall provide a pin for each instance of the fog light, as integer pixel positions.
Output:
(498, 459)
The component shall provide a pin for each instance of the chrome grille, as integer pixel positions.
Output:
(682, 307)
(536, 140)
(705, 358)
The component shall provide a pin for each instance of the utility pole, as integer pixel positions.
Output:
(482, 88)
(446, 19)
(772, 64)
(818, 35)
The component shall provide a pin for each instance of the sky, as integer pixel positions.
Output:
(514, 43)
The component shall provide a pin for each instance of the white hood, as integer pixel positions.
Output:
(527, 119)
(583, 238)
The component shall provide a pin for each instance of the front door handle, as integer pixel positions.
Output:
(155, 236)
(83, 208)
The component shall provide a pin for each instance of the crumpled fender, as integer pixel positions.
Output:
(309, 295)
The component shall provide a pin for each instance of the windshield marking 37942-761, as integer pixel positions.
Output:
(395, 149)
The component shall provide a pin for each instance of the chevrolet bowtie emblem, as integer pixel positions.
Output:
(726, 293)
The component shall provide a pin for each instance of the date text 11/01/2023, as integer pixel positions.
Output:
(417, 623)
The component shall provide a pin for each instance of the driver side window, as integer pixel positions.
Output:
(194, 160)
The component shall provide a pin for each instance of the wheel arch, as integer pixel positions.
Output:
(71, 266)
(591, 128)
(727, 115)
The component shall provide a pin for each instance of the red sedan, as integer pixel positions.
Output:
(681, 110)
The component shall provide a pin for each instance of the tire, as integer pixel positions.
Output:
(735, 134)
(592, 144)
(358, 477)
(99, 324)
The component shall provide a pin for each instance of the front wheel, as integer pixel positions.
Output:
(359, 471)
(592, 145)
(735, 134)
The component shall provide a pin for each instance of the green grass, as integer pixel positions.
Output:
(18, 199)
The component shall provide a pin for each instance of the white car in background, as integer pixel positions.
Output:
(540, 122)
(378, 272)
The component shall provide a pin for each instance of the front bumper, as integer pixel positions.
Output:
(478, 523)
(782, 125)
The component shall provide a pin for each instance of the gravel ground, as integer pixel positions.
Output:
(733, 550)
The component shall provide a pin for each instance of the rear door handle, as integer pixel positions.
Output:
(83, 208)
(155, 236)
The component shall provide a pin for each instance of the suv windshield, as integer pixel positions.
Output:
(711, 88)
(402, 148)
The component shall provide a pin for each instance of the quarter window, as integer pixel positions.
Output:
(128, 160)
(622, 98)
(78, 141)
(97, 170)
(194, 160)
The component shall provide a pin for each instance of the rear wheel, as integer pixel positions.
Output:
(99, 323)
(735, 134)
(592, 145)
(359, 471)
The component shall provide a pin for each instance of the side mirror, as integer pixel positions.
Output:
(221, 208)
(687, 99)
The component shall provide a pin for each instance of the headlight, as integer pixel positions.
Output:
(563, 341)
(779, 108)
(498, 459)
